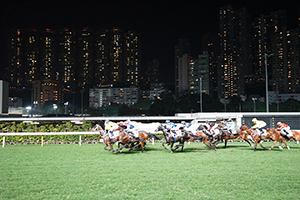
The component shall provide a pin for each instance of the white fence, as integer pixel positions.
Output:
(46, 133)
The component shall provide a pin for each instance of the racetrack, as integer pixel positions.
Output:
(69, 171)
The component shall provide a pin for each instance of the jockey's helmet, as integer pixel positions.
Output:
(167, 121)
(182, 122)
(278, 123)
(106, 120)
(254, 120)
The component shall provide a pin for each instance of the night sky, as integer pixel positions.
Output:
(161, 23)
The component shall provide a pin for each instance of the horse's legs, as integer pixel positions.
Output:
(106, 148)
(171, 147)
(176, 147)
(143, 146)
(248, 141)
(208, 144)
(255, 145)
(285, 144)
(226, 142)
(163, 144)
(182, 146)
(120, 149)
(260, 143)
(110, 146)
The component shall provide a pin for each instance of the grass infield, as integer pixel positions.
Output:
(70, 171)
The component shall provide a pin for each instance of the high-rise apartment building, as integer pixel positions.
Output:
(132, 58)
(270, 48)
(117, 57)
(150, 75)
(234, 51)
(293, 63)
(199, 74)
(211, 45)
(182, 62)
(66, 54)
(85, 58)
(73, 60)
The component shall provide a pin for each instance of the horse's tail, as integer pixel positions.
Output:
(152, 136)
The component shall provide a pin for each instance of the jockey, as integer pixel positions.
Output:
(258, 124)
(110, 127)
(122, 124)
(132, 127)
(184, 125)
(212, 128)
(171, 127)
(229, 126)
(285, 130)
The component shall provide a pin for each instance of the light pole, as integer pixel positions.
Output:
(35, 103)
(28, 108)
(82, 91)
(200, 94)
(243, 99)
(55, 109)
(254, 99)
(66, 107)
(266, 69)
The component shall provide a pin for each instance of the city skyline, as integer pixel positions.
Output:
(160, 24)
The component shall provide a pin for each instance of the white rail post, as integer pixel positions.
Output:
(79, 140)
(3, 141)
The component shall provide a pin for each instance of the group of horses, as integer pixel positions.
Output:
(250, 135)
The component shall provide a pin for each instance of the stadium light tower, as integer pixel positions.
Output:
(266, 69)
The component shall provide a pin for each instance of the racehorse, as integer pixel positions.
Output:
(223, 134)
(125, 139)
(227, 136)
(107, 140)
(143, 136)
(271, 133)
(170, 139)
(296, 135)
(204, 137)
(240, 134)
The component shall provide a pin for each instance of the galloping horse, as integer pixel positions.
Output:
(170, 139)
(240, 134)
(125, 139)
(296, 135)
(219, 138)
(108, 141)
(143, 136)
(271, 133)
(205, 138)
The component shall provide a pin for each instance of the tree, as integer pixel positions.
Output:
(290, 105)
(165, 104)
(188, 101)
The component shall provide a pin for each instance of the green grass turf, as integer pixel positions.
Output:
(70, 171)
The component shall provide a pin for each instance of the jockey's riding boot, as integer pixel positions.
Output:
(285, 136)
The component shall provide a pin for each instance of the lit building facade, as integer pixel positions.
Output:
(234, 56)
(182, 61)
(117, 58)
(199, 68)
(101, 97)
(74, 60)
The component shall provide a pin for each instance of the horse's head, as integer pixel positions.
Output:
(200, 127)
(97, 127)
(244, 127)
(159, 128)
